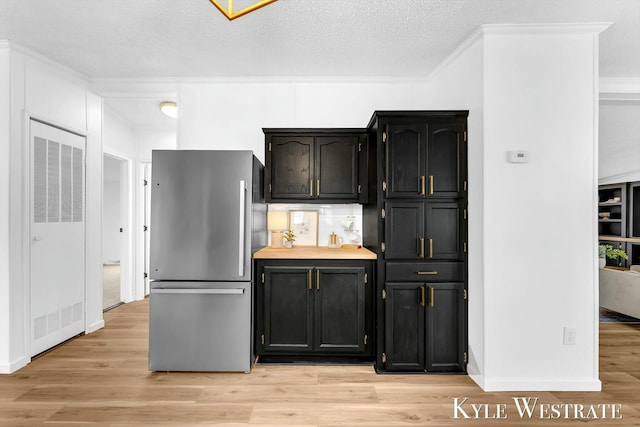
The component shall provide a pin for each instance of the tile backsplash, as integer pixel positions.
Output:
(343, 219)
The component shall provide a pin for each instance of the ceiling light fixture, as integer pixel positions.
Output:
(231, 15)
(169, 108)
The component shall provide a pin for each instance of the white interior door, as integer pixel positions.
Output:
(57, 251)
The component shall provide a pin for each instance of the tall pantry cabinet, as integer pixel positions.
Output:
(416, 222)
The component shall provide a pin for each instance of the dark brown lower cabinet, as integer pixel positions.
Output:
(446, 328)
(314, 308)
(287, 310)
(425, 327)
(404, 327)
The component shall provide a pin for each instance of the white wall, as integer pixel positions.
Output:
(120, 139)
(93, 259)
(58, 96)
(541, 96)
(619, 152)
(5, 163)
(231, 114)
(154, 140)
(120, 145)
(538, 93)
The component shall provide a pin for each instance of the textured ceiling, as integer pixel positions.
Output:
(143, 39)
(191, 38)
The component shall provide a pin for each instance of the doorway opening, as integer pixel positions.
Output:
(114, 210)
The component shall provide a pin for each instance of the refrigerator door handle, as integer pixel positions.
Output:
(199, 291)
(243, 189)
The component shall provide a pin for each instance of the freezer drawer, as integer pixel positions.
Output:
(202, 326)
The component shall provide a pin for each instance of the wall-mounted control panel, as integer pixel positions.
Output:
(518, 156)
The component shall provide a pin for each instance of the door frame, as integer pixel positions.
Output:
(126, 209)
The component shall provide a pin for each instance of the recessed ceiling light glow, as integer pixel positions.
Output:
(169, 108)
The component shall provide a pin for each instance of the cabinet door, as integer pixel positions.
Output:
(404, 230)
(336, 170)
(446, 322)
(404, 326)
(287, 309)
(446, 159)
(340, 310)
(405, 157)
(291, 167)
(444, 231)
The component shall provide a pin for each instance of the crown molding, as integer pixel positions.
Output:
(548, 28)
(457, 52)
(169, 87)
(36, 56)
(517, 29)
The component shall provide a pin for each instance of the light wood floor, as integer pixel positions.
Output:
(102, 380)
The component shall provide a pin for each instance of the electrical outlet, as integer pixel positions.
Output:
(569, 336)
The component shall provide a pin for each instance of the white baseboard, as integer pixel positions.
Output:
(95, 326)
(9, 368)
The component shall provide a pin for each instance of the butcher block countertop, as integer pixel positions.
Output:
(314, 252)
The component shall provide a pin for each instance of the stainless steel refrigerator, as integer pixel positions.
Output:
(207, 219)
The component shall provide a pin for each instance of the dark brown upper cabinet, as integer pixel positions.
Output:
(425, 158)
(316, 165)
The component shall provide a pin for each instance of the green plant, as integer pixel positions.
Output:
(289, 236)
(609, 252)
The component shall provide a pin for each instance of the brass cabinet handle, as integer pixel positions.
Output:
(311, 187)
(422, 296)
(317, 187)
(318, 280)
(309, 280)
(430, 248)
(422, 185)
(430, 184)
(421, 255)
(426, 273)
(432, 296)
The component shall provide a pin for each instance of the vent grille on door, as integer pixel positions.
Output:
(39, 180)
(53, 184)
(78, 157)
(51, 322)
(57, 182)
(66, 214)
